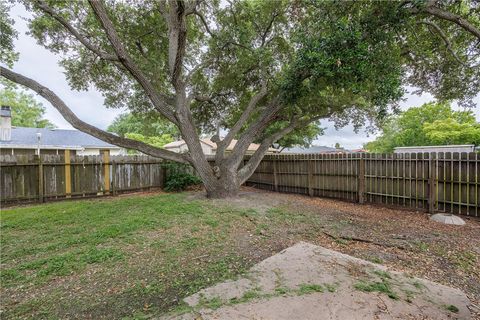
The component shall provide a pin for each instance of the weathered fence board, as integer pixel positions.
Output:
(30, 178)
(445, 182)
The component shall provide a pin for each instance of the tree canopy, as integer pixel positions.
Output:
(26, 111)
(451, 131)
(7, 51)
(148, 128)
(145, 124)
(257, 70)
(429, 124)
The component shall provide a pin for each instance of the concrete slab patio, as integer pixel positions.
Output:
(307, 281)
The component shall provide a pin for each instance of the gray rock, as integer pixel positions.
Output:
(447, 218)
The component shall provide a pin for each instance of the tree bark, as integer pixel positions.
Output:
(226, 186)
(455, 18)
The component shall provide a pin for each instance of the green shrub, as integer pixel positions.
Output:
(180, 181)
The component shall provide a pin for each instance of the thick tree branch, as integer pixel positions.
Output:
(446, 15)
(444, 37)
(269, 27)
(202, 98)
(223, 144)
(65, 111)
(247, 170)
(241, 147)
(158, 101)
(204, 22)
(191, 6)
(175, 14)
(177, 37)
(48, 10)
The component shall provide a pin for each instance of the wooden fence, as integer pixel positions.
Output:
(436, 183)
(30, 178)
(445, 182)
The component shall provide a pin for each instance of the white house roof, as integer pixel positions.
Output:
(450, 146)
(314, 149)
(179, 143)
(26, 138)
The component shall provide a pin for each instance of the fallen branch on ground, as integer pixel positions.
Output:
(349, 238)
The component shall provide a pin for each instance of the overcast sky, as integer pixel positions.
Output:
(40, 64)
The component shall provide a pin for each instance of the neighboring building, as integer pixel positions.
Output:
(358, 151)
(314, 149)
(210, 148)
(180, 146)
(24, 141)
(436, 149)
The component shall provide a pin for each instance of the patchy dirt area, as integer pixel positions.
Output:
(310, 282)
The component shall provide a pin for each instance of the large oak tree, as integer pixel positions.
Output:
(255, 70)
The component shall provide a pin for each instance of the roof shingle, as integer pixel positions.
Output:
(54, 137)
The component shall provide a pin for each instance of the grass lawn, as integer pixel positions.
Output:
(140, 255)
(113, 257)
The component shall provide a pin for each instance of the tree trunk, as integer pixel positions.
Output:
(222, 189)
(226, 186)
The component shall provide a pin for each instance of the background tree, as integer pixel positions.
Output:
(156, 141)
(149, 125)
(257, 70)
(429, 124)
(26, 111)
(147, 128)
(7, 52)
(451, 131)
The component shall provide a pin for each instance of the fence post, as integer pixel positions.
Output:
(431, 183)
(310, 165)
(114, 168)
(150, 173)
(275, 176)
(106, 163)
(361, 179)
(68, 175)
(163, 178)
(40, 180)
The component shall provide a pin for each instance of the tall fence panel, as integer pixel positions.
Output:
(397, 179)
(49, 177)
(444, 182)
(19, 178)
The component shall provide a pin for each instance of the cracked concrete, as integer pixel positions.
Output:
(310, 282)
